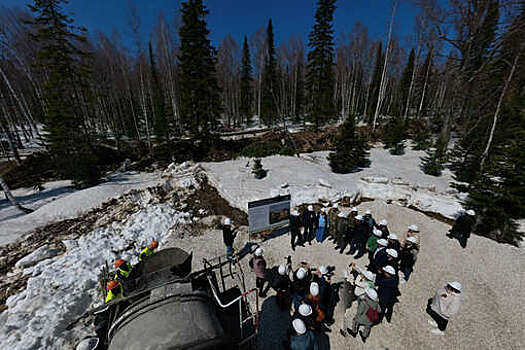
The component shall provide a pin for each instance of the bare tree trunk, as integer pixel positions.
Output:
(425, 84)
(12, 199)
(496, 114)
(382, 86)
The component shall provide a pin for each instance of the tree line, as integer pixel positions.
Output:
(456, 89)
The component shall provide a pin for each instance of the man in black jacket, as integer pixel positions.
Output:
(360, 237)
(295, 231)
(463, 227)
(387, 287)
(228, 236)
(309, 222)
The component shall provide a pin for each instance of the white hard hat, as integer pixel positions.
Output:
(314, 289)
(390, 270)
(341, 215)
(299, 326)
(455, 285)
(413, 228)
(368, 212)
(369, 275)
(310, 208)
(323, 270)
(359, 217)
(383, 242)
(295, 212)
(335, 206)
(383, 222)
(371, 292)
(393, 236)
(354, 209)
(471, 212)
(378, 233)
(305, 310)
(392, 253)
(282, 269)
(323, 210)
(227, 221)
(412, 239)
(259, 252)
(301, 273)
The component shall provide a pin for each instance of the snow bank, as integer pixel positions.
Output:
(64, 287)
(309, 179)
(69, 205)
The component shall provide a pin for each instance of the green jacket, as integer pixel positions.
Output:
(342, 226)
(372, 243)
(363, 304)
(332, 217)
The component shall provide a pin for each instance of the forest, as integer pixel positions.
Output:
(457, 90)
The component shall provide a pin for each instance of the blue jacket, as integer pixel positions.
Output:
(304, 341)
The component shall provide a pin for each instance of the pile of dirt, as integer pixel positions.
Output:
(207, 201)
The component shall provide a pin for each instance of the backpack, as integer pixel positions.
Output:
(372, 314)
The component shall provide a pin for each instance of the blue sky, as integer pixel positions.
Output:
(240, 17)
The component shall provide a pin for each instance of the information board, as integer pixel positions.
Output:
(269, 214)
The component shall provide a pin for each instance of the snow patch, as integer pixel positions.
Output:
(42, 253)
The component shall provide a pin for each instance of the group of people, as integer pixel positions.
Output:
(375, 287)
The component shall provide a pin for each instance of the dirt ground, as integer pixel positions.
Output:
(490, 316)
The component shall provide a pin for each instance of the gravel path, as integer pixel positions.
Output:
(490, 316)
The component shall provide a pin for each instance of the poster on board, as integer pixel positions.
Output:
(269, 214)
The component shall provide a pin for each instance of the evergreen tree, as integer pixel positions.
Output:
(160, 123)
(351, 150)
(394, 135)
(432, 162)
(64, 62)
(269, 80)
(258, 170)
(406, 77)
(375, 82)
(320, 73)
(299, 90)
(246, 84)
(200, 104)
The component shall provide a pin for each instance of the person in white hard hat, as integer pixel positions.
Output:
(370, 221)
(305, 313)
(393, 242)
(387, 290)
(282, 285)
(463, 227)
(322, 225)
(301, 338)
(258, 264)
(301, 283)
(408, 257)
(383, 226)
(313, 298)
(359, 237)
(295, 229)
(443, 306)
(309, 222)
(228, 236)
(368, 313)
(332, 219)
(371, 244)
(341, 232)
(379, 258)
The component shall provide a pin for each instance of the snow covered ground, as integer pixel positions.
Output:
(59, 201)
(309, 179)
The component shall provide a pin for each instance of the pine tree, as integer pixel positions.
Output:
(375, 82)
(320, 75)
(432, 162)
(200, 104)
(160, 123)
(64, 62)
(351, 150)
(406, 77)
(269, 80)
(246, 84)
(394, 136)
(258, 170)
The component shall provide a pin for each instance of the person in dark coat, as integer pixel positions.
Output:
(258, 264)
(309, 222)
(300, 337)
(393, 242)
(332, 218)
(379, 258)
(282, 286)
(300, 284)
(341, 232)
(383, 228)
(228, 236)
(463, 227)
(387, 288)
(370, 221)
(408, 257)
(295, 229)
(360, 237)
